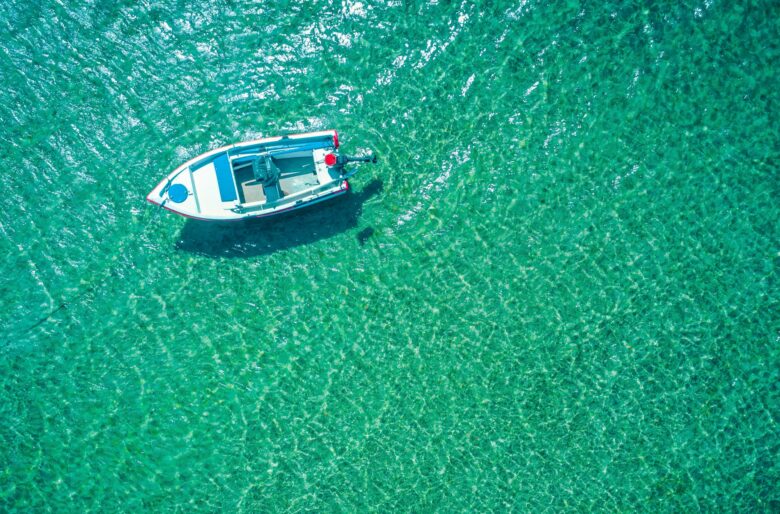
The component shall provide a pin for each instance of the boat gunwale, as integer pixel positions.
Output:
(263, 213)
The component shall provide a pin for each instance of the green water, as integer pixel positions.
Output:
(557, 291)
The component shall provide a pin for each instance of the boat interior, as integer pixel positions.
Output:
(297, 174)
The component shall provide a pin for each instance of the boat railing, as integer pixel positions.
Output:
(263, 205)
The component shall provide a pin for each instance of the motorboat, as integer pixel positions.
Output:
(258, 178)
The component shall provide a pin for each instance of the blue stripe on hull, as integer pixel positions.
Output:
(279, 150)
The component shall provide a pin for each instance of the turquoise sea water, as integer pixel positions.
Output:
(557, 291)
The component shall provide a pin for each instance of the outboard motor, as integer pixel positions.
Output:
(340, 161)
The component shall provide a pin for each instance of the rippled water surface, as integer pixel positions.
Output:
(556, 291)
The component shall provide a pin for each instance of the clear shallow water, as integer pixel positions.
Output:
(557, 290)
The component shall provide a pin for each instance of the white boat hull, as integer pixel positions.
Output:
(219, 186)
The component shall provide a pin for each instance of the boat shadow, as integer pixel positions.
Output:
(252, 238)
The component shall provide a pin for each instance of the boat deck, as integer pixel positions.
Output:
(297, 174)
